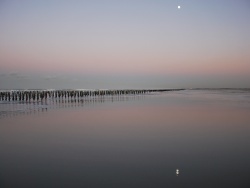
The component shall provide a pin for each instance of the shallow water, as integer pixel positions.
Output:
(128, 141)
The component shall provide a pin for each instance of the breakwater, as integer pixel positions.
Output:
(40, 95)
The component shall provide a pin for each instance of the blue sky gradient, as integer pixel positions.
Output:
(139, 43)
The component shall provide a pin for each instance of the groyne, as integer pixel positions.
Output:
(40, 95)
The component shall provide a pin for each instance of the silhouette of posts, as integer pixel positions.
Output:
(40, 95)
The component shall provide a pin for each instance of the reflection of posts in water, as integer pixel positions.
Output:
(14, 108)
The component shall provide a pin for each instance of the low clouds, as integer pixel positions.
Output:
(50, 77)
(16, 75)
(34, 80)
(13, 74)
(2, 75)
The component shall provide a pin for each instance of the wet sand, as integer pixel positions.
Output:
(129, 141)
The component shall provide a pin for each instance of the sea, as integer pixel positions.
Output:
(188, 138)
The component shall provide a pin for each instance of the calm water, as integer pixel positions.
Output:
(130, 141)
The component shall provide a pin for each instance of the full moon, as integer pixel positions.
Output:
(179, 6)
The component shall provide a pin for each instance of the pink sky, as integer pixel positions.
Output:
(149, 39)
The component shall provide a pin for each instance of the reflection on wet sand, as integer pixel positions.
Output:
(13, 108)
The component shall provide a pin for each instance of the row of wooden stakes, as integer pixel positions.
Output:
(36, 95)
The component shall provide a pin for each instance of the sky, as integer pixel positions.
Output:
(100, 44)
